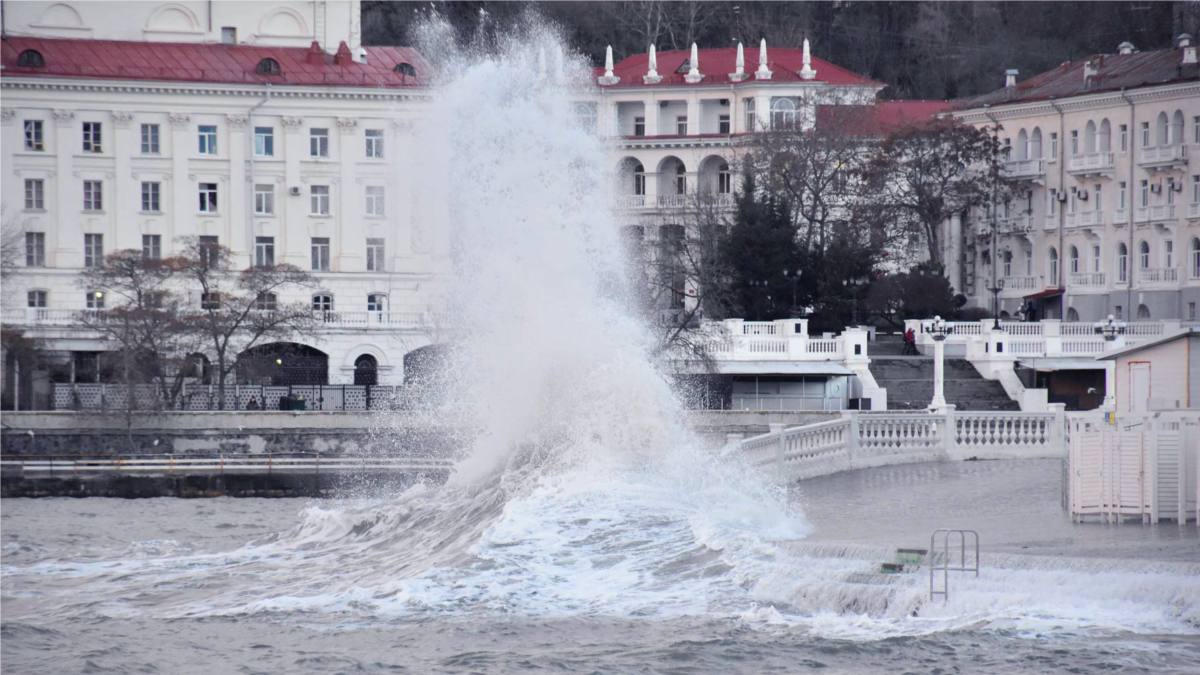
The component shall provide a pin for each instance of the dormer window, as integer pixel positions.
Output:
(30, 58)
(405, 69)
(268, 67)
(685, 67)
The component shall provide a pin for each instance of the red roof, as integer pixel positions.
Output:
(878, 119)
(214, 63)
(717, 64)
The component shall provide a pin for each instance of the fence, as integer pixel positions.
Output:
(863, 439)
(218, 464)
(206, 397)
(1149, 468)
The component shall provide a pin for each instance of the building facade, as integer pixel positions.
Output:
(1107, 216)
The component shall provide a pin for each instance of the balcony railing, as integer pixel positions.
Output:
(1016, 224)
(631, 201)
(1022, 283)
(354, 319)
(1163, 155)
(1154, 214)
(1025, 169)
(1193, 211)
(1050, 223)
(1085, 279)
(1085, 219)
(1091, 163)
(1120, 216)
(1159, 276)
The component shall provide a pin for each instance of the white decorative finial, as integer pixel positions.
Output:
(694, 75)
(763, 73)
(806, 72)
(652, 76)
(740, 64)
(608, 78)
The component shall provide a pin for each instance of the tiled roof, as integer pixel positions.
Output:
(211, 63)
(878, 119)
(1114, 72)
(717, 64)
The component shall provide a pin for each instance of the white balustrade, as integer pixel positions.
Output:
(1022, 327)
(1154, 214)
(1024, 169)
(1090, 162)
(822, 346)
(1085, 219)
(759, 328)
(1022, 283)
(1085, 279)
(672, 201)
(1193, 211)
(1159, 275)
(1014, 224)
(631, 201)
(1163, 154)
(1120, 216)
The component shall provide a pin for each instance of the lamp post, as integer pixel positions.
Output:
(794, 277)
(855, 283)
(939, 331)
(1112, 330)
(995, 291)
(761, 287)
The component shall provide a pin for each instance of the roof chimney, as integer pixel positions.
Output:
(1126, 48)
(1091, 68)
(343, 57)
(315, 56)
(1184, 40)
(1010, 77)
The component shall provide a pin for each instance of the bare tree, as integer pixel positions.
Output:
(12, 246)
(239, 310)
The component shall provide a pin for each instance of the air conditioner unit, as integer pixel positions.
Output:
(1156, 188)
(1062, 196)
(1082, 195)
(295, 191)
(1178, 187)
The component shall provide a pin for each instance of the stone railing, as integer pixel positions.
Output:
(1085, 279)
(862, 439)
(406, 318)
(1040, 339)
(1085, 219)
(1163, 154)
(631, 202)
(1154, 214)
(1193, 211)
(1014, 224)
(1159, 276)
(94, 396)
(1024, 169)
(782, 340)
(1092, 162)
(1022, 284)
(1120, 216)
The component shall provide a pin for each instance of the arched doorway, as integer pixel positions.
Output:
(1143, 313)
(366, 370)
(1072, 315)
(283, 363)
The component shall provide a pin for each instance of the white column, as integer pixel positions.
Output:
(350, 255)
(293, 211)
(65, 237)
(184, 199)
(126, 196)
(652, 116)
(954, 252)
(939, 374)
(241, 232)
(693, 108)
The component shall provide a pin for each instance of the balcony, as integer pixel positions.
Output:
(1025, 170)
(1085, 280)
(1021, 285)
(1120, 216)
(1167, 277)
(1050, 223)
(631, 201)
(1091, 164)
(1163, 157)
(674, 201)
(358, 320)
(1014, 225)
(1085, 219)
(1193, 211)
(1162, 213)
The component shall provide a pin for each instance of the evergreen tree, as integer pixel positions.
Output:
(759, 248)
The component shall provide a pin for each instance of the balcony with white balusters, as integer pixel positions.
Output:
(1163, 157)
(1091, 164)
(1084, 219)
(1160, 213)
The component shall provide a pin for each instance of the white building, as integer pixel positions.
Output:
(239, 130)
(1105, 151)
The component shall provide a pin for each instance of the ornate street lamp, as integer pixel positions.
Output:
(995, 291)
(761, 287)
(1110, 329)
(939, 331)
(794, 277)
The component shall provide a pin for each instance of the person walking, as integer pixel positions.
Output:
(910, 343)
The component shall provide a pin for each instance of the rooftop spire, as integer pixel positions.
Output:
(740, 73)
(694, 75)
(763, 73)
(652, 76)
(807, 72)
(608, 78)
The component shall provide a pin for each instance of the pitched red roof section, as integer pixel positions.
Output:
(717, 64)
(881, 118)
(1113, 72)
(209, 63)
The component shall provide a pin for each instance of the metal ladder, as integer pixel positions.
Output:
(945, 567)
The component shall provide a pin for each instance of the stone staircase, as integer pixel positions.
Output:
(909, 381)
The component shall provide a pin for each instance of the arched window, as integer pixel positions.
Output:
(1143, 313)
(639, 180)
(1122, 263)
(783, 113)
(724, 179)
(1072, 315)
(1073, 260)
(268, 67)
(1053, 266)
(680, 179)
(1162, 129)
(30, 58)
(366, 370)
(1022, 145)
(1143, 256)
(1104, 140)
(1008, 263)
(322, 302)
(1089, 137)
(1195, 258)
(405, 69)
(1035, 144)
(1177, 128)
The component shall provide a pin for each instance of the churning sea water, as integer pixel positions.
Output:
(584, 530)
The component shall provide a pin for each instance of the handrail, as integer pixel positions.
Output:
(945, 567)
(269, 463)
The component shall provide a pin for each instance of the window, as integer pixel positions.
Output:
(93, 192)
(639, 180)
(1008, 263)
(750, 121)
(1053, 146)
(320, 254)
(1168, 253)
(150, 197)
(1196, 189)
(152, 246)
(318, 142)
(1073, 201)
(1121, 195)
(680, 179)
(265, 302)
(783, 113)
(91, 137)
(1122, 263)
(210, 301)
(320, 200)
(1124, 134)
(322, 302)
(585, 116)
(93, 250)
(681, 125)
(1028, 262)
(149, 139)
(405, 69)
(1195, 263)
(35, 194)
(1095, 257)
(1145, 134)
(1052, 204)
(37, 299)
(208, 140)
(639, 126)
(264, 199)
(210, 251)
(723, 124)
(1074, 142)
(375, 143)
(95, 300)
(724, 180)
(376, 302)
(228, 35)
(1196, 130)
(1171, 190)
(1191, 311)
(87, 366)
(30, 58)
(1096, 198)
(208, 198)
(1118, 313)
(375, 255)
(35, 249)
(267, 67)
(1143, 313)
(1144, 256)
(1145, 193)
(33, 135)
(374, 201)
(264, 251)
(264, 142)
(1073, 260)
(1053, 266)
